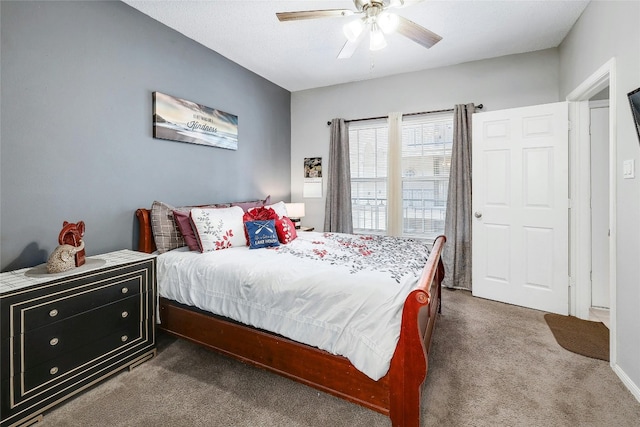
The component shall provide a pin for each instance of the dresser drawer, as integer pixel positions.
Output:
(61, 368)
(84, 300)
(51, 341)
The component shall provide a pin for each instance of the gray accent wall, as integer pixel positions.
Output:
(76, 126)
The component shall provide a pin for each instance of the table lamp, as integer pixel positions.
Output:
(295, 211)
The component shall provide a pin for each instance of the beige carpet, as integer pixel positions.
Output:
(491, 364)
(583, 337)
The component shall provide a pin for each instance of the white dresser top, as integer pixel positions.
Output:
(17, 279)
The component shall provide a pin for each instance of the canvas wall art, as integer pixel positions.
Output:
(180, 120)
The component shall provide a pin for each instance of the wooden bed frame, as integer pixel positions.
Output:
(396, 395)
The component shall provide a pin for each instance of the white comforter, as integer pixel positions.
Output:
(341, 293)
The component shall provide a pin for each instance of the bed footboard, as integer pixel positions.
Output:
(409, 364)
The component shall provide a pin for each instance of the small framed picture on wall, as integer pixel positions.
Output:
(312, 177)
(313, 167)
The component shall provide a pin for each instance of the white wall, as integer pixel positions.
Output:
(606, 30)
(505, 82)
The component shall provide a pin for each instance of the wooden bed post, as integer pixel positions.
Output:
(409, 372)
(145, 239)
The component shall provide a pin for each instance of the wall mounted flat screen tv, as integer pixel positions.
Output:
(634, 101)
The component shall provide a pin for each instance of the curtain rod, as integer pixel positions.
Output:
(479, 107)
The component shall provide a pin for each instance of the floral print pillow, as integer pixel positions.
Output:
(218, 228)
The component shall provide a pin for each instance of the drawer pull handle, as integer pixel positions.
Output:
(125, 290)
(53, 341)
(53, 313)
(124, 314)
(124, 338)
(53, 370)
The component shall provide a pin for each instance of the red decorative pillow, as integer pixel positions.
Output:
(260, 214)
(286, 230)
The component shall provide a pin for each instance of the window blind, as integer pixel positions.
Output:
(425, 159)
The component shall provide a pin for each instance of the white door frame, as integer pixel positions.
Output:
(580, 193)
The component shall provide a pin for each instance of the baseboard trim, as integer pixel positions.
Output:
(633, 387)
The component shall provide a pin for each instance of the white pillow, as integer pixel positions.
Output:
(279, 208)
(219, 228)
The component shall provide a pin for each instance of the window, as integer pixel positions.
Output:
(368, 151)
(425, 164)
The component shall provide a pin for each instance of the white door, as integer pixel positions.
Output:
(520, 206)
(600, 207)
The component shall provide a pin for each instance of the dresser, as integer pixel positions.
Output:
(62, 333)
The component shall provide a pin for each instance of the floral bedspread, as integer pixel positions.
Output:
(341, 293)
(393, 255)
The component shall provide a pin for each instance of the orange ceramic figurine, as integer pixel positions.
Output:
(71, 234)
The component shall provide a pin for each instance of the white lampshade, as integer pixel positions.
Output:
(388, 22)
(295, 210)
(376, 38)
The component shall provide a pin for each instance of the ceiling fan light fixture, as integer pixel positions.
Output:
(376, 38)
(375, 20)
(388, 22)
(353, 29)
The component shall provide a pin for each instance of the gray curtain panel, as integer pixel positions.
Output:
(337, 212)
(457, 226)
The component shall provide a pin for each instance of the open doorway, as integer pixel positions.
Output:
(581, 253)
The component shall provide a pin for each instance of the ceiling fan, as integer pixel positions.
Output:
(375, 18)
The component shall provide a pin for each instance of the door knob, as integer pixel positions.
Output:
(478, 214)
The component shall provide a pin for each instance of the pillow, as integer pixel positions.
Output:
(262, 213)
(164, 229)
(279, 207)
(262, 234)
(286, 230)
(218, 228)
(182, 220)
(252, 204)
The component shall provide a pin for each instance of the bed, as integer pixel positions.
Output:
(396, 394)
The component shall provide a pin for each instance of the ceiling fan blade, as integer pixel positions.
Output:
(417, 33)
(312, 14)
(349, 47)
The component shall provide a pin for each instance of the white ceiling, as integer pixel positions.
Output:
(298, 55)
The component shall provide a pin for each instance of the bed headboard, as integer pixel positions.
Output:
(145, 240)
